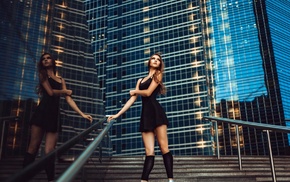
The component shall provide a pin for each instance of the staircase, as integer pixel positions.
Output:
(186, 169)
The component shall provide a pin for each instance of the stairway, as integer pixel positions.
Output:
(186, 169)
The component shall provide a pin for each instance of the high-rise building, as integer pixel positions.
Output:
(250, 69)
(124, 35)
(221, 59)
(28, 29)
(278, 15)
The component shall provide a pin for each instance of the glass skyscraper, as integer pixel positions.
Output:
(278, 15)
(246, 55)
(222, 58)
(28, 29)
(124, 35)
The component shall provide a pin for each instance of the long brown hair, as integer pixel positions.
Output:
(160, 70)
(42, 73)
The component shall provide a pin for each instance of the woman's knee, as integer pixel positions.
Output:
(164, 149)
(32, 149)
(149, 143)
(50, 142)
(149, 151)
(34, 145)
(48, 149)
(163, 145)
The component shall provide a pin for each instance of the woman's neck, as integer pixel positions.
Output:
(151, 72)
(50, 72)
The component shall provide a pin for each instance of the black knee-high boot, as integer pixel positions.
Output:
(28, 159)
(50, 169)
(148, 165)
(168, 163)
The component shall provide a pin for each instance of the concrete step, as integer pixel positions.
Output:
(186, 168)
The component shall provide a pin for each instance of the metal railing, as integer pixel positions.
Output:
(31, 170)
(262, 126)
(73, 169)
(4, 121)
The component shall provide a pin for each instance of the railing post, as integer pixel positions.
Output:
(3, 131)
(256, 125)
(239, 148)
(2, 138)
(271, 158)
(217, 140)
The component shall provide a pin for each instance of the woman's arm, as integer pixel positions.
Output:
(73, 105)
(128, 104)
(146, 93)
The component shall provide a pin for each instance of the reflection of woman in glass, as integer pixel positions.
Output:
(45, 120)
(153, 119)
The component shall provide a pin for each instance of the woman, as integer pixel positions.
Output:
(45, 120)
(153, 119)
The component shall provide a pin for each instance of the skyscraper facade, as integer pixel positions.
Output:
(28, 29)
(250, 69)
(221, 59)
(70, 42)
(124, 35)
(278, 17)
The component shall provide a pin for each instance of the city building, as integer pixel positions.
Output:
(28, 29)
(250, 70)
(222, 58)
(124, 35)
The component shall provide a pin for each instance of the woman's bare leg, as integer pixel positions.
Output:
(50, 141)
(161, 134)
(35, 139)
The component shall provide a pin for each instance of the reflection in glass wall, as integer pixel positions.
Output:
(29, 28)
(239, 73)
(279, 27)
(22, 38)
(245, 74)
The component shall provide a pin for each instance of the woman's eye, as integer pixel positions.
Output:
(46, 58)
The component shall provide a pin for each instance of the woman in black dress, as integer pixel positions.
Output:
(45, 120)
(153, 120)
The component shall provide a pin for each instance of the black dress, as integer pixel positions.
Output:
(152, 114)
(46, 114)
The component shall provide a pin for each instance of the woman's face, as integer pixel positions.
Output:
(155, 61)
(46, 60)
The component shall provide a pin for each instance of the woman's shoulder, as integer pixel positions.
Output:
(57, 76)
(58, 79)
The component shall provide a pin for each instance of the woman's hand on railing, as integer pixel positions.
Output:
(112, 117)
(88, 117)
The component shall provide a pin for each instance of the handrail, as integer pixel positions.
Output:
(32, 169)
(267, 127)
(9, 117)
(5, 120)
(262, 126)
(73, 169)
